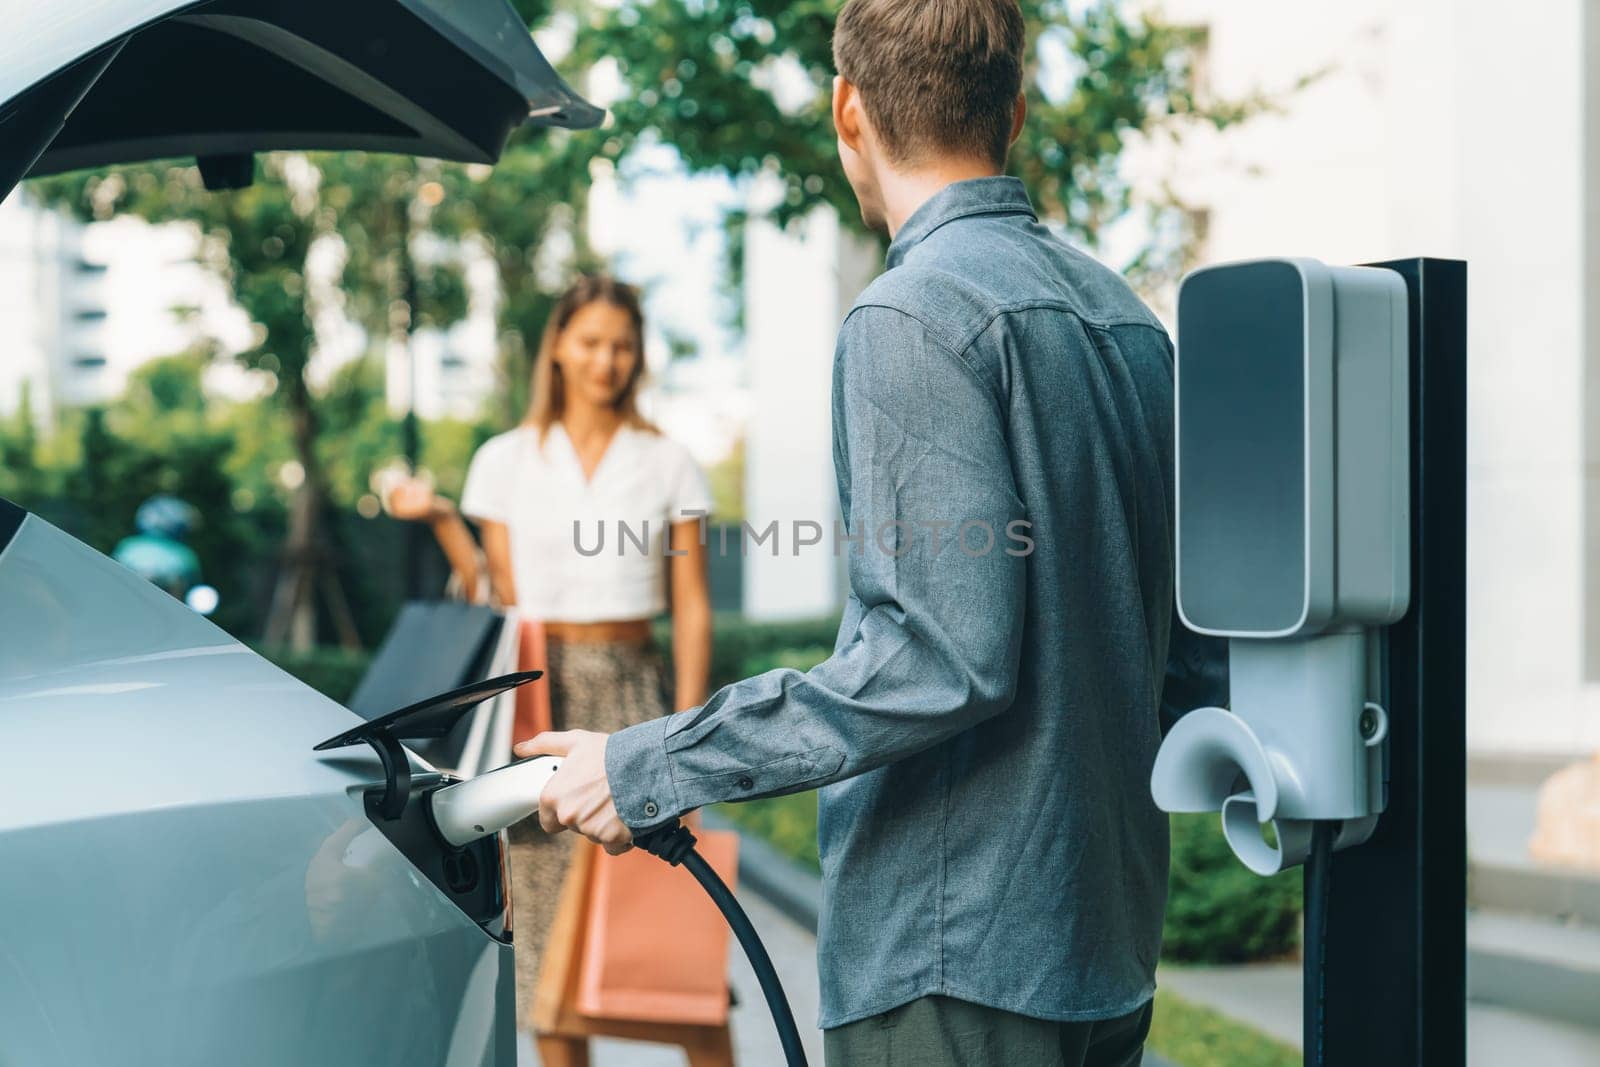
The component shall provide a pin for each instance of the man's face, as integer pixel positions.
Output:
(859, 153)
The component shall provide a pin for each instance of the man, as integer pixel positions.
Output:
(994, 868)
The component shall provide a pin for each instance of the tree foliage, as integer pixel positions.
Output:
(736, 87)
(742, 87)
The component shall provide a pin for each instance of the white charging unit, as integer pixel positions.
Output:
(1293, 543)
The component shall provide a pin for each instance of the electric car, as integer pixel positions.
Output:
(183, 881)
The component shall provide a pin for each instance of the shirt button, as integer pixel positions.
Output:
(745, 782)
(650, 809)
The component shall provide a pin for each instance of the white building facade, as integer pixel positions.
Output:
(799, 285)
(86, 305)
(1435, 130)
(51, 302)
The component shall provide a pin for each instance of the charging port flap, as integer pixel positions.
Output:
(426, 719)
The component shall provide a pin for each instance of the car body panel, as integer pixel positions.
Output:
(95, 82)
(183, 880)
(40, 39)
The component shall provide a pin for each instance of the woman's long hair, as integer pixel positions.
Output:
(549, 392)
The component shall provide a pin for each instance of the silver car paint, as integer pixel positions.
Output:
(40, 39)
(182, 881)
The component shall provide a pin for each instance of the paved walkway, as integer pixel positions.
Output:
(794, 952)
(1267, 996)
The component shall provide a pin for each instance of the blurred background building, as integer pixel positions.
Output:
(1430, 131)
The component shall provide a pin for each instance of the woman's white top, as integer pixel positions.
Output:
(586, 550)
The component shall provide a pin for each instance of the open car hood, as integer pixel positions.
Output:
(93, 82)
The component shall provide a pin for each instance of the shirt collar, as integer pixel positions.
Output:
(1001, 195)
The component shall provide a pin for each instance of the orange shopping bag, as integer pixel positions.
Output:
(655, 947)
(532, 701)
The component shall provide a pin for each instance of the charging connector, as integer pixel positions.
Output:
(463, 812)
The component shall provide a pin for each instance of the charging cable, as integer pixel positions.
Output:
(463, 812)
(1318, 862)
(675, 844)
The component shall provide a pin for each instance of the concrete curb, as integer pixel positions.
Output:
(795, 891)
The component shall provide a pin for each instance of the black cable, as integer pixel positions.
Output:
(1314, 1035)
(675, 844)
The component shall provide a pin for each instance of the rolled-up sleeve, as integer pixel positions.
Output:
(936, 539)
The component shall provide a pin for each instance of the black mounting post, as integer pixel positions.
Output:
(1396, 956)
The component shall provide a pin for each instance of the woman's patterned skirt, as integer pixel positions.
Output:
(602, 687)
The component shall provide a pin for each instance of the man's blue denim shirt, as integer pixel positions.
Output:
(985, 728)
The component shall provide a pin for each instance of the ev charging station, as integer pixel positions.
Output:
(1320, 468)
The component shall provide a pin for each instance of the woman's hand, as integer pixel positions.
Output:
(414, 500)
(578, 796)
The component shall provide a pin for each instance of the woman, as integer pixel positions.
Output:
(584, 471)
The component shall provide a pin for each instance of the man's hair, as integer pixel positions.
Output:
(935, 76)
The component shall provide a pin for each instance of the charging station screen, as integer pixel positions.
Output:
(1241, 448)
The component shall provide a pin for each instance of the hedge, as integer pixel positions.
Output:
(739, 649)
(1219, 912)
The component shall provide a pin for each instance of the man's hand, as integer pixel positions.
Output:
(578, 796)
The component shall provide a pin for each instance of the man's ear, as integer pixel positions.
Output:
(847, 113)
(1018, 117)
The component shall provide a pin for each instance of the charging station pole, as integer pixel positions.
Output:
(1395, 965)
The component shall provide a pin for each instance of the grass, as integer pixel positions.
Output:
(1189, 1035)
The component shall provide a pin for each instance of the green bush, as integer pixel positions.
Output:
(788, 824)
(740, 648)
(1219, 912)
(799, 659)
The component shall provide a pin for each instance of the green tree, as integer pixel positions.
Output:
(538, 191)
(19, 446)
(742, 87)
(259, 240)
(737, 87)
